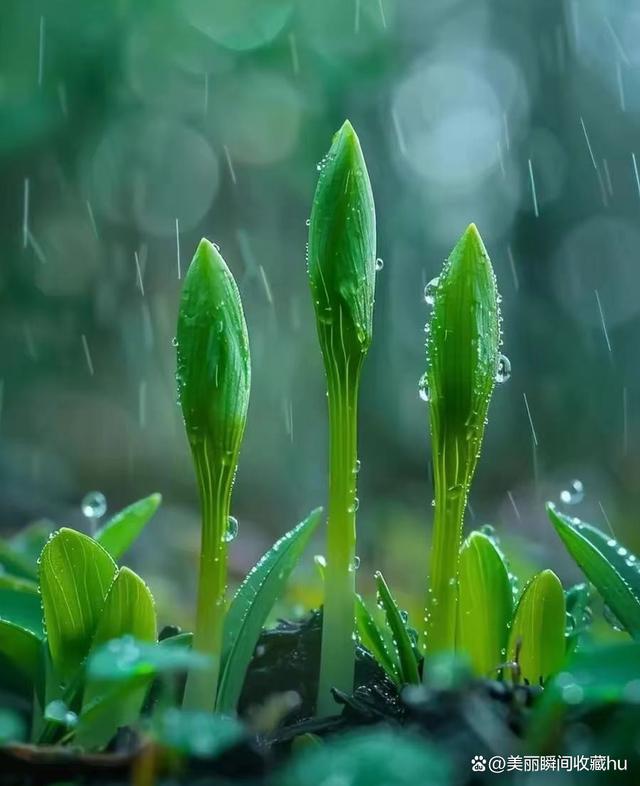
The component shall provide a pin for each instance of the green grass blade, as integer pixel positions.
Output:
(406, 654)
(123, 529)
(251, 605)
(608, 565)
(613, 574)
(75, 576)
(536, 639)
(372, 638)
(485, 604)
(462, 362)
(20, 603)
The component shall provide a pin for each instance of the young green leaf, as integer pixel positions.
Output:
(406, 653)
(20, 652)
(121, 531)
(536, 640)
(128, 610)
(75, 576)
(373, 639)
(20, 603)
(213, 385)
(251, 605)
(485, 604)
(462, 362)
(607, 565)
(342, 271)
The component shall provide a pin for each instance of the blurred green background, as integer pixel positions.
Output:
(128, 130)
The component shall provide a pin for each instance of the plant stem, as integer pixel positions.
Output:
(215, 480)
(441, 613)
(337, 663)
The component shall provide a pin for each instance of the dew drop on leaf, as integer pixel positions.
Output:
(232, 529)
(423, 390)
(379, 263)
(504, 369)
(430, 291)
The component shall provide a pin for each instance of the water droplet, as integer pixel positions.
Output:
(94, 505)
(232, 529)
(174, 341)
(430, 291)
(320, 560)
(504, 369)
(379, 263)
(488, 530)
(308, 222)
(574, 494)
(356, 467)
(423, 390)
(354, 507)
(356, 563)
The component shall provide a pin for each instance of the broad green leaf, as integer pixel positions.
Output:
(592, 676)
(113, 705)
(128, 610)
(75, 576)
(485, 604)
(121, 531)
(251, 605)
(406, 655)
(536, 639)
(613, 574)
(373, 639)
(463, 338)
(20, 603)
(21, 654)
(372, 757)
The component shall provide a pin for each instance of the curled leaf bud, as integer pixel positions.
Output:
(342, 250)
(214, 372)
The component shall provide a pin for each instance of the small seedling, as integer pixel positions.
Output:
(342, 272)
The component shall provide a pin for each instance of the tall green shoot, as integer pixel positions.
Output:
(342, 265)
(462, 362)
(213, 384)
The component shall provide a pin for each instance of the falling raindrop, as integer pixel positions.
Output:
(94, 505)
(504, 369)
(430, 291)
(574, 494)
(379, 263)
(423, 390)
(232, 529)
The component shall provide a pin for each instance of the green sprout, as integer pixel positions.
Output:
(213, 377)
(462, 354)
(342, 272)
